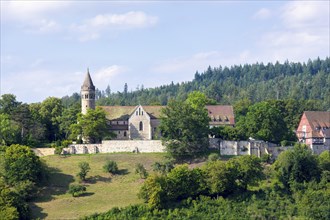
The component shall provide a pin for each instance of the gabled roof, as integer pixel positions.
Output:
(124, 112)
(88, 83)
(119, 113)
(221, 114)
(319, 122)
(153, 111)
(318, 119)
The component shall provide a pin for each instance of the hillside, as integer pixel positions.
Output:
(227, 85)
(103, 191)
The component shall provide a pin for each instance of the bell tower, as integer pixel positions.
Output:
(87, 94)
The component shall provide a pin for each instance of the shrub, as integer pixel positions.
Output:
(284, 143)
(110, 167)
(84, 169)
(163, 167)
(213, 157)
(140, 169)
(76, 190)
(66, 143)
(58, 150)
(266, 158)
(324, 160)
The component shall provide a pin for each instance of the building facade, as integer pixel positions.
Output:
(314, 129)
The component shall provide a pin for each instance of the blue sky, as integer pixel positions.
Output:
(47, 46)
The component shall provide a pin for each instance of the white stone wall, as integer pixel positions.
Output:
(142, 146)
(257, 148)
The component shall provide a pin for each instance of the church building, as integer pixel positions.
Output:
(141, 122)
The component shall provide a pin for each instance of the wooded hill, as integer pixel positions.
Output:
(227, 85)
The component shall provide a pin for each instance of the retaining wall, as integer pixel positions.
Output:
(142, 146)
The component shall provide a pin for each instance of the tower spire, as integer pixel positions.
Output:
(87, 94)
(88, 83)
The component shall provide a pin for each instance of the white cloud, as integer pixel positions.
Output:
(262, 14)
(38, 84)
(22, 10)
(305, 14)
(48, 26)
(303, 32)
(89, 36)
(103, 76)
(132, 19)
(92, 28)
(32, 16)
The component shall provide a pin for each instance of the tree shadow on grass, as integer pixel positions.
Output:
(57, 184)
(37, 212)
(97, 178)
(86, 194)
(123, 172)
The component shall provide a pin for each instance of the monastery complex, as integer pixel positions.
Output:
(141, 122)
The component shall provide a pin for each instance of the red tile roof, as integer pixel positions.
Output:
(319, 122)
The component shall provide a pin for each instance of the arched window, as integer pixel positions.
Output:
(141, 126)
(125, 134)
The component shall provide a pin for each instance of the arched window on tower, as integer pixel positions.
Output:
(141, 126)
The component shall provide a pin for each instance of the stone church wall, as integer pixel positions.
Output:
(139, 116)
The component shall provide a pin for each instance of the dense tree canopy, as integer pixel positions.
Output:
(20, 171)
(185, 126)
(21, 164)
(297, 166)
(264, 122)
(92, 126)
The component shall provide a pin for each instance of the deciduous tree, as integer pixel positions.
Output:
(92, 126)
(185, 127)
(296, 166)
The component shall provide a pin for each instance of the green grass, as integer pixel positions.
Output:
(103, 190)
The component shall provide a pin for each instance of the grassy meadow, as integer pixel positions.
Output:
(103, 190)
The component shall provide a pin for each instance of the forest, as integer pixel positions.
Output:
(227, 85)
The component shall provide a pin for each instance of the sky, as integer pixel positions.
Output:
(47, 46)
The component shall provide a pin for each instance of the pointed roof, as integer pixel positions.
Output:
(88, 83)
